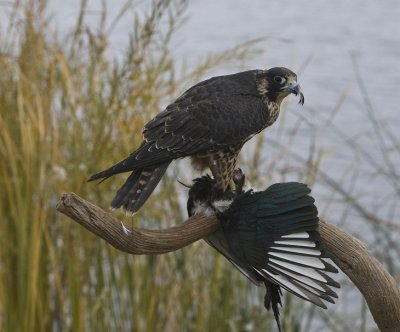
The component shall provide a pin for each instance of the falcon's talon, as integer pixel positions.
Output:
(239, 179)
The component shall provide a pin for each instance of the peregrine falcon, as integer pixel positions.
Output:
(210, 123)
(271, 237)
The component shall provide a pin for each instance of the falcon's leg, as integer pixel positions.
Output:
(222, 165)
(239, 179)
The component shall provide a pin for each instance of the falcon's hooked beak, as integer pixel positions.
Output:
(293, 87)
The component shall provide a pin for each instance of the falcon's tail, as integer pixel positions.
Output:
(118, 168)
(138, 187)
(272, 299)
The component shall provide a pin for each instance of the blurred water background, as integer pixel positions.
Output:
(344, 142)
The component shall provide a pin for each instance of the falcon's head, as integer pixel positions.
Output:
(277, 83)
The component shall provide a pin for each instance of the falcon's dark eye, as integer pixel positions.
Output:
(279, 79)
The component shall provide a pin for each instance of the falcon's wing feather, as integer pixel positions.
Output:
(219, 112)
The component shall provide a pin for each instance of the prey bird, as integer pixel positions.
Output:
(271, 237)
(210, 123)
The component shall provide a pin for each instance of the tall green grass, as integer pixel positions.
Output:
(69, 109)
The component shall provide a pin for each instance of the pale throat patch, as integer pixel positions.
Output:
(282, 95)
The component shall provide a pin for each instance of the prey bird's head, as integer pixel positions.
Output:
(277, 83)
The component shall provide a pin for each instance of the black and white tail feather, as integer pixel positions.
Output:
(271, 237)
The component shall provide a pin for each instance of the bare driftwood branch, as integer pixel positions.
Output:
(377, 286)
(132, 240)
